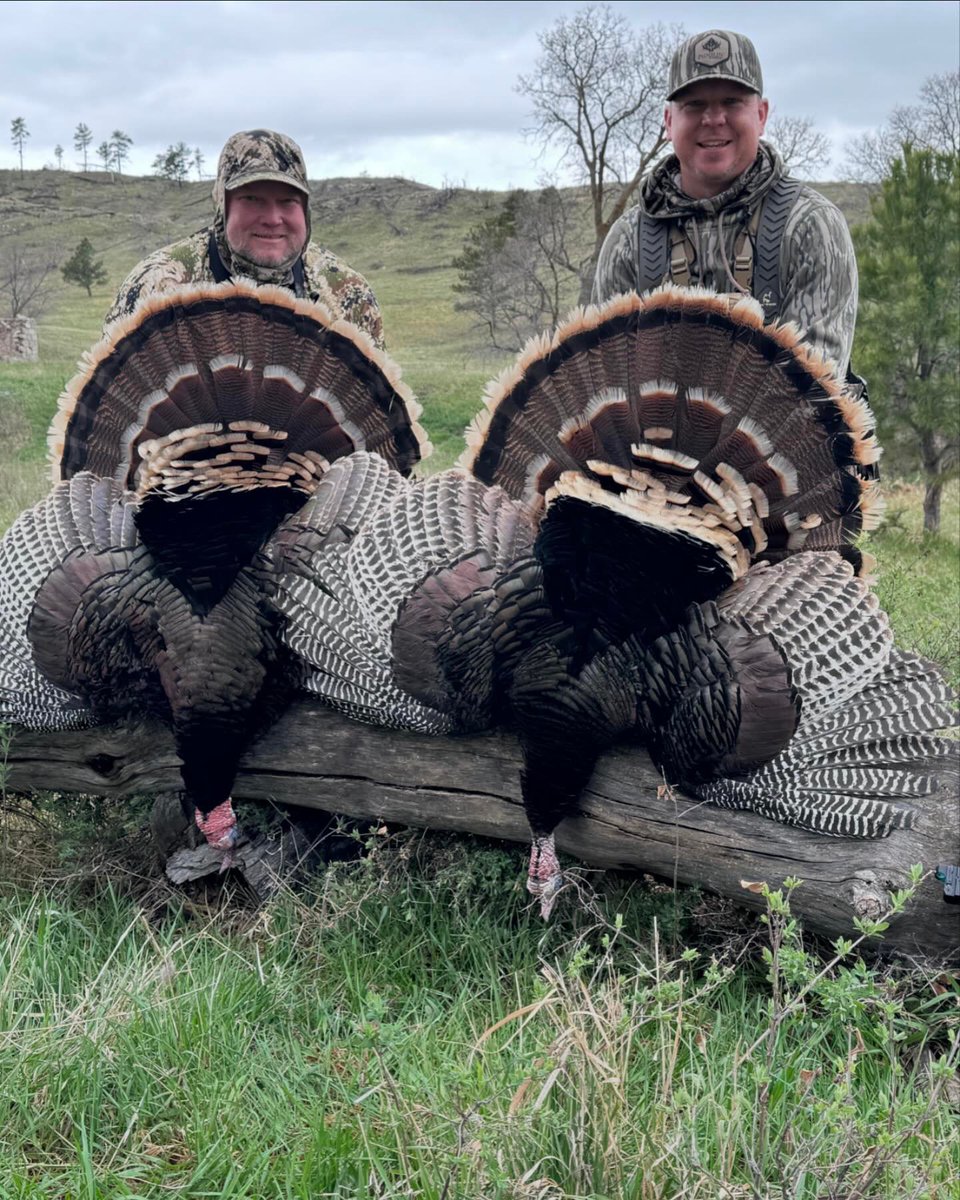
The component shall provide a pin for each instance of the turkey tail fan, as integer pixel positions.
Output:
(722, 440)
(79, 520)
(390, 620)
(230, 387)
(867, 713)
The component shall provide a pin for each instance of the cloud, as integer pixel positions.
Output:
(420, 89)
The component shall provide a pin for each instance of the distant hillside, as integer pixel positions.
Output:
(392, 230)
(401, 235)
(389, 229)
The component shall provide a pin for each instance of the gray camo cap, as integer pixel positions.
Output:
(259, 154)
(716, 54)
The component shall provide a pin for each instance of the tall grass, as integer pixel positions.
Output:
(407, 1027)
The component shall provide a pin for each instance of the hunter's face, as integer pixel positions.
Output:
(715, 127)
(266, 222)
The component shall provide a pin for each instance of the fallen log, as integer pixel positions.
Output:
(317, 759)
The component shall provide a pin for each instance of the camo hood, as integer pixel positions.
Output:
(249, 157)
(662, 195)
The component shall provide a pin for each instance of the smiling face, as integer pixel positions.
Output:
(266, 222)
(715, 127)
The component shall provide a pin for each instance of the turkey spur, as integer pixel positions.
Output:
(653, 535)
(144, 582)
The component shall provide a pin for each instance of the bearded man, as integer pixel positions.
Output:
(261, 231)
(722, 213)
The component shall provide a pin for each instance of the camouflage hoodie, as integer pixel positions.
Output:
(818, 270)
(258, 154)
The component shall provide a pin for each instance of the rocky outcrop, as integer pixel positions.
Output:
(18, 339)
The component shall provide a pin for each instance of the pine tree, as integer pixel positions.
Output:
(58, 155)
(908, 333)
(120, 144)
(82, 268)
(173, 163)
(18, 135)
(82, 137)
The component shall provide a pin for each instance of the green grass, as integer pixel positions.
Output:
(918, 576)
(408, 1027)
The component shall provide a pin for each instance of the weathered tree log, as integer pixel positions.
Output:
(317, 759)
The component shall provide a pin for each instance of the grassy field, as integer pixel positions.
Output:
(405, 1025)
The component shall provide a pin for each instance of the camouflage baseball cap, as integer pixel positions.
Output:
(259, 154)
(716, 54)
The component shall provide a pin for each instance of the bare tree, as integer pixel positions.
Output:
(597, 93)
(802, 146)
(58, 155)
(198, 161)
(120, 144)
(18, 135)
(932, 124)
(519, 271)
(82, 137)
(27, 277)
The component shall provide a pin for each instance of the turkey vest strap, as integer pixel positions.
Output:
(221, 274)
(773, 220)
(665, 253)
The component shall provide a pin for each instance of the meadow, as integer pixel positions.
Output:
(403, 1024)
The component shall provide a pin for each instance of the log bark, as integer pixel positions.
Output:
(317, 759)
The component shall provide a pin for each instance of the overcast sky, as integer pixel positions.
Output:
(424, 90)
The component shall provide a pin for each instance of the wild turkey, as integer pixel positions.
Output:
(142, 583)
(660, 542)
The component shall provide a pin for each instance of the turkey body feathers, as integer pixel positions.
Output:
(384, 619)
(209, 418)
(83, 518)
(854, 698)
(99, 633)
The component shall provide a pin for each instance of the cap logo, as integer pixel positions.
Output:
(711, 50)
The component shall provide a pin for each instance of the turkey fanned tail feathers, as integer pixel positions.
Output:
(715, 440)
(231, 386)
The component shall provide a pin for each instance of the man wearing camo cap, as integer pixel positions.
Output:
(260, 230)
(722, 213)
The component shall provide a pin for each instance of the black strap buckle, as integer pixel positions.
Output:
(949, 876)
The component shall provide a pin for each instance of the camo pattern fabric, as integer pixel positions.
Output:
(247, 157)
(328, 280)
(818, 269)
(715, 54)
(258, 154)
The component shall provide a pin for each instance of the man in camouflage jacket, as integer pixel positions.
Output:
(709, 196)
(260, 230)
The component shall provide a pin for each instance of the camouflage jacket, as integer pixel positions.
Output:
(328, 280)
(818, 270)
